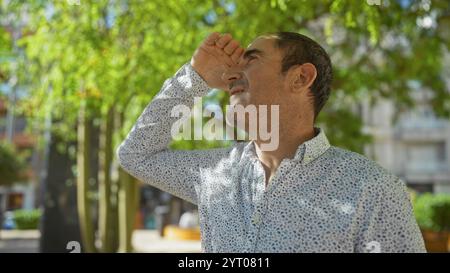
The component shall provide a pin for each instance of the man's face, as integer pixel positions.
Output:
(257, 78)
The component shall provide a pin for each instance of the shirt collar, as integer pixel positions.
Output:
(306, 152)
(310, 150)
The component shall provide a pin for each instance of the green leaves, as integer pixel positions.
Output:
(12, 165)
(433, 211)
(119, 53)
(27, 219)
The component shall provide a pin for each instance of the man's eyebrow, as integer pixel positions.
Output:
(252, 51)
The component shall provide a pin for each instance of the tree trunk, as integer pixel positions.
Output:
(106, 200)
(59, 224)
(125, 213)
(128, 201)
(83, 171)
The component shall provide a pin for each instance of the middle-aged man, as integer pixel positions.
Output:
(303, 196)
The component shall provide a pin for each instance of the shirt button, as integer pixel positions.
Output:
(256, 219)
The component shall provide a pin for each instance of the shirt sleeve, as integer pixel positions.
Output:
(389, 224)
(145, 154)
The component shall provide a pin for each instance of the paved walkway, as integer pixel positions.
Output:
(147, 241)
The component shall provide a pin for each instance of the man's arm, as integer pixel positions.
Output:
(389, 224)
(145, 154)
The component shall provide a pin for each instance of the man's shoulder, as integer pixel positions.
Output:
(359, 166)
(365, 176)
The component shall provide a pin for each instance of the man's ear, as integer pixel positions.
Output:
(303, 77)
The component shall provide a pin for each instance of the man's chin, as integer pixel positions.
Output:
(235, 100)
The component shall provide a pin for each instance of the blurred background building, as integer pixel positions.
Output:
(413, 144)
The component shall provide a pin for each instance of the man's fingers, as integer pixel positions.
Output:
(228, 49)
(227, 60)
(223, 41)
(231, 46)
(212, 38)
(237, 54)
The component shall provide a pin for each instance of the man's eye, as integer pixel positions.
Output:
(250, 58)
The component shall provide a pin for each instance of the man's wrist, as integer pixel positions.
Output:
(196, 76)
(193, 84)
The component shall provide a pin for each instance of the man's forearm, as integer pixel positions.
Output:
(151, 133)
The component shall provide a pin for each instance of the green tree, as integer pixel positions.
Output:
(5, 53)
(12, 165)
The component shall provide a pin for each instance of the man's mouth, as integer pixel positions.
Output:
(236, 89)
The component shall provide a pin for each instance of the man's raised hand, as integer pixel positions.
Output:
(214, 55)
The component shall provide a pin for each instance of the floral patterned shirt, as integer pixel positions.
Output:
(324, 199)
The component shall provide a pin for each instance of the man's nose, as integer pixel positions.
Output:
(232, 74)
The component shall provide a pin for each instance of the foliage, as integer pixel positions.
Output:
(12, 164)
(433, 211)
(120, 52)
(27, 219)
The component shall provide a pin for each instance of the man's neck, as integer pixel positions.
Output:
(287, 146)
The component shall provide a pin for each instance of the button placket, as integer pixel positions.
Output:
(261, 198)
(258, 199)
(260, 206)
